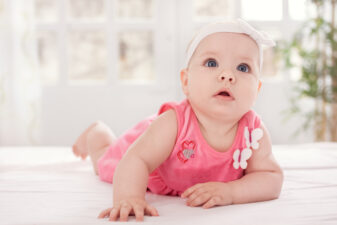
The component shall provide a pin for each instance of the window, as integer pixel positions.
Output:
(210, 9)
(262, 10)
(126, 41)
(48, 56)
(91, 41)
(136, 60)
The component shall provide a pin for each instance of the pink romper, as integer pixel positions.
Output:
(192, 160)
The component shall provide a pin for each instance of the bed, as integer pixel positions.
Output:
(48, 185)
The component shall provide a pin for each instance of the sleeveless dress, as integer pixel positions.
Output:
(192, 160)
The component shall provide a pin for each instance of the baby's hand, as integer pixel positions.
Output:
(126, 207)
(208, 194)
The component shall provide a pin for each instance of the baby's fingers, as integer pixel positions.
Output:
(104, 213)
(114, 213)
(190, 190)
(139, 212)
(151, 211)
(125, 212)
(211, 202)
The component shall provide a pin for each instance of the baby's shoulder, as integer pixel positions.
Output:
(167, 118)
(182, 111)
(251, 119)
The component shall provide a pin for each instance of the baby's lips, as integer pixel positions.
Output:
(224, 92)
(224, 95)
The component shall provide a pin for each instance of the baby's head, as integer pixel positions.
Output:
(221, 75)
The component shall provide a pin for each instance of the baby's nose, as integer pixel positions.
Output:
(228, 77)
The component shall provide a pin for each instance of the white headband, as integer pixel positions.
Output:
(237, 26)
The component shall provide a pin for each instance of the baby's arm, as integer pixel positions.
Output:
(262, 181)
(263, 177)
(131, 175)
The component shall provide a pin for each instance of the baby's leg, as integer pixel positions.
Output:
(94, 141)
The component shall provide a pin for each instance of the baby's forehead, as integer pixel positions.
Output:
(223, 42)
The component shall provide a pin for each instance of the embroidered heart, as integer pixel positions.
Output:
(188, 145)
(187, 151)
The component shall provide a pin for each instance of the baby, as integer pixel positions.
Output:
(211, 148)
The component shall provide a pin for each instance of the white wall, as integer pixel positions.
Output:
(272, 102)
(62, 121)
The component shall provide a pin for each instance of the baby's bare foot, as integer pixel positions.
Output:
(80, 148)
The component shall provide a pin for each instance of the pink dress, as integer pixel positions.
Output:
(192, 160)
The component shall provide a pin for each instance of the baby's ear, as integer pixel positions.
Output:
(184, 80)
(259, 87)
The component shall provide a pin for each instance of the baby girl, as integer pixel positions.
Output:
(211, 149)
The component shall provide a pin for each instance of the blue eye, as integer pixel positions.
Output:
(211, 63)
(243, 68)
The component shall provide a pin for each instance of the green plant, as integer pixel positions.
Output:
(315, 44)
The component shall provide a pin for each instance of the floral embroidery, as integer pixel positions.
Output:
(251, 142)
(187, 151)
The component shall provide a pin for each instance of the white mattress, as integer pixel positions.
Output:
(48, 185)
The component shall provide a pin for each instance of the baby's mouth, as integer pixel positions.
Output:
(225, 94)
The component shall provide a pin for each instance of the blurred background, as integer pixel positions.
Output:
(67, 63)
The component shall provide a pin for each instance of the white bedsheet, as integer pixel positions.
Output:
(46, 185)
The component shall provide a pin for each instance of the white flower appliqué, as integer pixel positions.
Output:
(251, 142)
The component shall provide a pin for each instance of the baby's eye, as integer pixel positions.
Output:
(211, 63)
(243, 68)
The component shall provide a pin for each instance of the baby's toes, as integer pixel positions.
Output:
(76, 150)
(84, 156)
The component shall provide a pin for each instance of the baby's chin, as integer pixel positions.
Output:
(229, 113)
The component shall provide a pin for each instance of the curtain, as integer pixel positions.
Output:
(19, 80)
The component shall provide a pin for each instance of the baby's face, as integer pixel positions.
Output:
(223, 75)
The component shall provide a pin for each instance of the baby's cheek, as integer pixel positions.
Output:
(248, 92)
(198, 87)
(249, 97)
